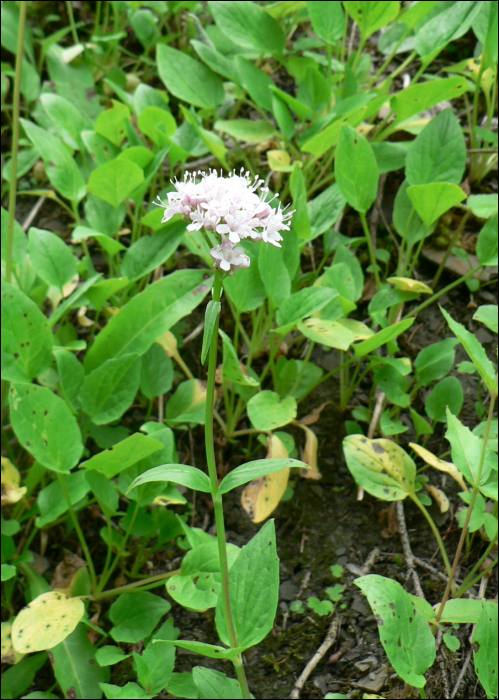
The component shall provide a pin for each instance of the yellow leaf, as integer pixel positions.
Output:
(439, 497)
(406, 284)
(309, 455)
(11, 492)
(45, 622)
(439, 464)
(262, 496)
(279, 161)
(169, 343)
(9, 654)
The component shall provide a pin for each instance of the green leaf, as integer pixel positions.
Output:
(155, 664)
(406, 220)
(485, 637)
(130, 691)
(110, 389)
(158, 124)
(51, 500)
(111, 123)
(110, 245)
(329, 333)
(438, 154)
(328, 137)
(475, 352)
(26, 338)
(19, 678)
(390, 156)
(246, 130)
(122, 455)
(150, 252)
(434, 199)
(466, 449)
(45, 426)
(325, 210)
(404, 631)
(188, 403)
(448, 393)
(446, 26)
(273, 271)
(148, 316)
(19, 242)
(435, 361)
(246, 288)
(110, 655)
(356, 169)
(320, 607)
(51, 257)
(254, 470)
(216, 61)
(210, 320)
(483, 206)
(100, 292)
(254, 590)
(182, 474)
(135, 615)
(214, 685)
(156, 376)
(301, 110)
(115, 181)
(188, 79)
(209, 650)
(8, 571)
(72, 375)
(73, 661)
(72, 299)
(328, 20)
(372, 16)
(381, 467)
(487, 243)
(487, 314)
(231, 368)
(267, 412)
(300, 225)
(382, 337)
(301, 305)
(249, 25)
(66, 117)
(256, 83)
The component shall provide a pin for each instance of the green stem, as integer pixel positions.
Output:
(443, 291)
(300, 374)
(107, 574)
(454, 238)
(466, 585)
(483, 573)
(15, 141)
(217, 498)
(434, 528)
(148, 582)
(369, 242)
(79, 532)
(69, 8)
(474, 494)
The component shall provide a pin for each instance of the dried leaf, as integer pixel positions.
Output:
(439, 464)
(11, 492)
(65, 572)
(439, 497)
(314, 415)
(388, 521)
(309, 455)
(262, 496)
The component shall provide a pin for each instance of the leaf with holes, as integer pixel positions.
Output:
(46, 622)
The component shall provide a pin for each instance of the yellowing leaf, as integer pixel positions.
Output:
(11, 492)
(330, 333)
(262, 496)
(439, 497)
(46, 622)
(9, 654)
(309, 455)
(359, 329)
(279, 161)
(169, 343)
(405, 284)
(439, 464)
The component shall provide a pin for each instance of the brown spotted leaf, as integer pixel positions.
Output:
(46, 622)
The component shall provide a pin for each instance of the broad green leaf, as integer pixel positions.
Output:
(26, 338)
(273, 271)
(390, 156)
(156, 377)
(301, 305)
(438, 154)
(256, 82)
(254, 470)
(246, 130)
(115, 181)
(110, 389)
(466, 449)
(249, 25)
(381, 467)
(182, 474)
(487, 243)
(382, 337)
(105, 491)
(188, 79)
(66, 117)
(72, 376)
(446, 26)
(111, 123)
(130, 691)
(328, 20)
(135, 615)
(462, 612)
(100, 292)
(52, 502)
(329, 333)
(403, 630)
(356, 169)
(447, 393)
(46, 621)
(214, 685)
(155, 665)
(210, 321)
(45, 426)
(487, 314)
(187, 405)
(232, 369)
(150, 252)
(110, 245)
(216, 61)
(371, 16)
(75, 668)
(325, 210)
(268, 412)
(434, 199)
(406, 220)
(148, 316)
(19, 242)
(246, 288)
(209, 650)
(158, 124)
(254, 590)
(483, 205)
(435, 361)
(122, 455)
(328, 137)
(475, 352)
(110, 655)
(51, 257)
(8, 572)
(18, 679)
(485, 638)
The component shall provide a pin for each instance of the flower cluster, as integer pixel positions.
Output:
(230, 207)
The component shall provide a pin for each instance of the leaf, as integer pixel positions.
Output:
(403, 630)
(325, 210)
(45, 622)
(462, 612)
(210, 321)
(214, 685)
(356, 169)
(487, 314)
(188, 403)
(329, 333)
(209, 650)
(150, 252)
(328, 137)
(115, 180)
(52, 258)
(122, 455)
(256, 82)
(309, 455)
(483, 206)
(72, 376)
(439, 464)
(406, 220)
(246, 288)
(234, 371)
(246, 130)
(435, 361)
(447, 393)
(51, 500)
(432, 200)
(73, 661)
(328, 20)
(485, 636)
(19, 242)
(130, 691)
(301, 305)
(438, 153)
(249, 25)
(381, 467)
(215, 60)
(26, 338)
(45, 426)
(267, 412)
(155, 665)
(110, 389)
(148, 316)
(487, 243)
(156, 376)
(188, 79)
(382, 337)
(178, 474)
(390, 156)
(12, 492)
(135, 615)
(262, 495)
(466, 449)
(475, 352)
(111, 123)
(372, 16)
(256, 469)
(110, 655)
(446, 26)
(300, 223)
(406, 284)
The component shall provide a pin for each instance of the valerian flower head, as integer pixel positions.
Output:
(232, 208)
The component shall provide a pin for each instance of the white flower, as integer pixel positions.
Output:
(231, 207)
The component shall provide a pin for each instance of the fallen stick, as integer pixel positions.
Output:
(318, 656)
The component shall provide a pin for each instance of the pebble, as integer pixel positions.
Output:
(373, 682)
(288, 590)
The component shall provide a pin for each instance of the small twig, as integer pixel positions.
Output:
(378, 410)
(432, 569)
(33, 213)
(304, 585)
(318, 656)
(461, 674)
(370, 561)
(406, 546)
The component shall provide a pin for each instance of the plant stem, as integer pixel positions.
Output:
(217, 498)
(369, 242)
(15, 141)
(107, 574)
(434, 528)
(79, 531)
(148, 582)
(466, 583)
(454, 238)
(443, 291)
(69, 8)
(488, 568)
(476, 488)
